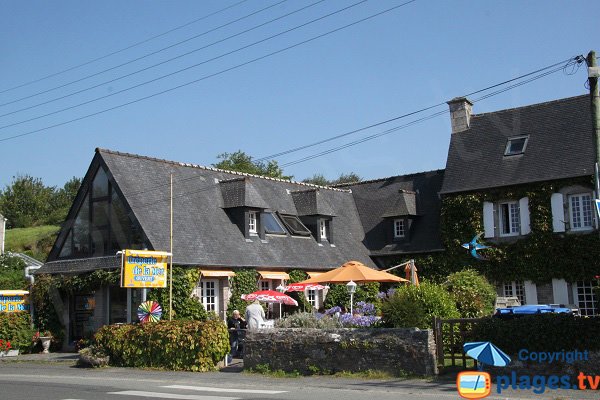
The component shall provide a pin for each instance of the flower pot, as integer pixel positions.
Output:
(45, 340)
(9, 353)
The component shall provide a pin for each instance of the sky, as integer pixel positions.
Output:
(417, 55)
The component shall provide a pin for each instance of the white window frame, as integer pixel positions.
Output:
(265, 284)
(515, 289)
(314, 297)
(513, 214)
(252, 222)
(399, 229)
(202, 288)
(585, 298)
(509, 141)
(323, 229)
(581, 212)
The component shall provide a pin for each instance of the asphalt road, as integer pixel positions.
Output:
(35, 380)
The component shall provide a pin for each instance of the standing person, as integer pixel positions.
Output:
(255, 315)
(235, 324)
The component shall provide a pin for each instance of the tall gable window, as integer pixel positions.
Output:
(510, 223)
(252, 224)
(399, 228)
(516, 145)
(581, 211)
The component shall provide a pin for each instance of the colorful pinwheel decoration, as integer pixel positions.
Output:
(149, 311)
(474, 245)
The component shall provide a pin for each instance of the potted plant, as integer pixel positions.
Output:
(45, 337)
(5, 349)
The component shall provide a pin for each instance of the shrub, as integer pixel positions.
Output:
(308, 320)
(338, 295)
(185, 307)
(173, 345)
(473, 294)
(545, 332)
(16, 329)
(416, 306)
(11, 273)
(92, 357)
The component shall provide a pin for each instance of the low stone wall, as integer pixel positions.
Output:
(394, 351)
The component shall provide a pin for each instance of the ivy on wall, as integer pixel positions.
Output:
(539, 256)
(245, 281)
(185, 306)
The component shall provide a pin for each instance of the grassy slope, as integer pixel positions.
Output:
(36, 241)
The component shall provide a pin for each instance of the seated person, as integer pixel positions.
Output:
(235, 324)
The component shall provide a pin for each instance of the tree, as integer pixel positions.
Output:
(62, 200)
(319, 179)
(242, 162)
(26, 202)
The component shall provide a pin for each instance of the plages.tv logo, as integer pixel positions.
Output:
(478, 384)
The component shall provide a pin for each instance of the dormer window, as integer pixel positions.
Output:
(294, 225)
(399, 229)
(272, 226)
(323, 229)
(252, 222)
(516, 145)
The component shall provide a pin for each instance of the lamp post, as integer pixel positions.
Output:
(280, 289)
(351, 287)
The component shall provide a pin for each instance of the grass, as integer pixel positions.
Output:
(35, 241)
(264, 369)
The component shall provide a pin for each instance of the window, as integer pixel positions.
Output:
(399, 231)
(252, 226)
(313, 297)
(515, 289)
(264, 284)
(510, 224)
(323, 229)
(209, 294)
(294, 225)
(585, 298)
(581, 211)
(516, 145)
(272, 226)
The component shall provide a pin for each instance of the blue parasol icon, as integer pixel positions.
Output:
(486, 353)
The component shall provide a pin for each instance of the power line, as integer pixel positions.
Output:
(123, 49)
(561, 65)
(210, 75)
(186, 68)
(140, 58)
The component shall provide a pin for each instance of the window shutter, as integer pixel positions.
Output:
(488, 219)
(524, 214)
(558, 212)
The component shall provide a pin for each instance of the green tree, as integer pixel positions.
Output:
(62, 200)
(242, 162)
(12, 273)
(26, 202)
(319, 179)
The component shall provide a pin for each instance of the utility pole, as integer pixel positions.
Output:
(593, 74)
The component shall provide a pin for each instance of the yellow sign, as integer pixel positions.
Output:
(14, 300)
(144, 269)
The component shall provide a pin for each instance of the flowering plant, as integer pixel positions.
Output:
(354, 321)
(333, 310)
(5, 345)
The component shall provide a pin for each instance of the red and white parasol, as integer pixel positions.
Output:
(301, 287)
(270, 296)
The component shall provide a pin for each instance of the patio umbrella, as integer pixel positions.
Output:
(354, 271)
(486, 353)
(270, 296)
(301, 287)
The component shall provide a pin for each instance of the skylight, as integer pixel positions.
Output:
(294, 225)
(516, 145)
(272, 226)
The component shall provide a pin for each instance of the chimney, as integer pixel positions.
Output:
(460, 113)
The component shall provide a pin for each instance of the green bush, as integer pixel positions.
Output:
(416, 306)
(173, 345)
(338, 295)
(545, 332)
(473, 294)
(11, 273)
(16, 328)
(185, 307)
(308, 320)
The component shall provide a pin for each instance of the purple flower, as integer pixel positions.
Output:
(333, 310)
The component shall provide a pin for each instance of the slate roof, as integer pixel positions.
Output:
(405, 205)
(240, 192)
(204, 234)
(82, 265)
(560, 145)
(311, 202)
(374, 198)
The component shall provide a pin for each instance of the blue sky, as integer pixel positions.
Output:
(421, 54)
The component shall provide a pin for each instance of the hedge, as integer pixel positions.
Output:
(546, 332)
(16, 328)
(173, 345)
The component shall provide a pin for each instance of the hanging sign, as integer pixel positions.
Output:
(14, 300)
(144, 269)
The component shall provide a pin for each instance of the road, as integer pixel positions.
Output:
(62, 381)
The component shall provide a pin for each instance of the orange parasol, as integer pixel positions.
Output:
(354, 271)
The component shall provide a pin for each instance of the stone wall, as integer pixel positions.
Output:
(394, 351)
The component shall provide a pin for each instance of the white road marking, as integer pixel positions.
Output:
(171, 395)
(224, 390)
